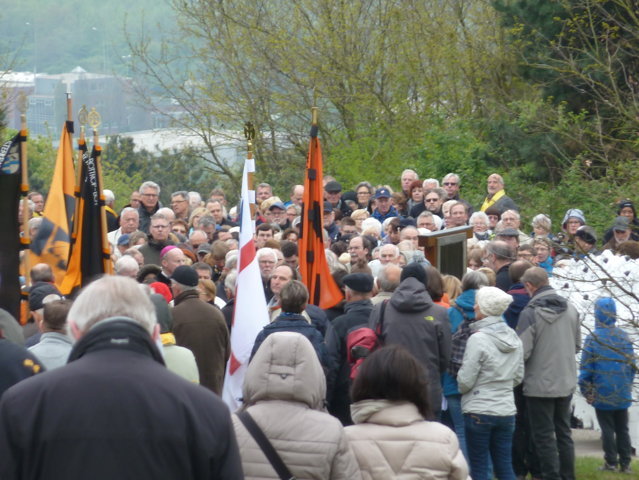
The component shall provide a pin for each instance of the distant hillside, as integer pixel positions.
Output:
(54, 37)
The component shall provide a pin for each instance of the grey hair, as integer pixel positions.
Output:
(385, 284)
(264, 252)
(231, 280)
(542, 221)
(113, 296)
(428, 181)
(126, 265)
(129, 210)
(478, 216)
(159, 216)
(34, 222)
(109, 197)
(149, 184)
(474, 280)
(452, 175)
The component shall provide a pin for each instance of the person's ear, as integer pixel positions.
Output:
(156, 332)
(75, 331)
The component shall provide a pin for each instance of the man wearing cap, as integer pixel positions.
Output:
(278, 215)
(411, 319)
(621, 232)
(333, 195)
(200, 327)
(510, 236)
(499, 256)
(586, 242)
(129, 222)
(358, 291)
(512, 219)
(551, 336)
(329, 221)
(384, 206)
(158, 239)
(37, 293)
(626, 208)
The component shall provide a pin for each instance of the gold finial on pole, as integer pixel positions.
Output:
(83, 119)
(249, 134)
(95, 120)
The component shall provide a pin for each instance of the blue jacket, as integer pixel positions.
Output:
(607, 366)
(466, 302)
(520, 300)
(391, 213)
(292, 322)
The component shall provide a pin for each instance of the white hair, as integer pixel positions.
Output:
(265, 252)
(452, 175)
(430, 182)
(113, 296)
(127, 266)
(372, 223)
(34, 222)
(231, 280)
(390, 246)
(129, 210)
(109, 197)
(478, 216)
(412, 172)
(438, 221)
(333, 262)
(149, 184)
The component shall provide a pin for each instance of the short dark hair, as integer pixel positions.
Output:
(294, 297)
(434, 283)
(517, 269)
(348, 221)
(289, 249)
(202, 266)
(392, 373)
(55, 314)
(265, 227)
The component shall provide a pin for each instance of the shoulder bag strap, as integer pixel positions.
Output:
(271, 454)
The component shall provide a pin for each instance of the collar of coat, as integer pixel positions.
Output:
(118, 333)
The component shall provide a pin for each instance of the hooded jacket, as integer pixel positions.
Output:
(465, 302)
(391, 440)
(115, 411)
(284, 391)
(550, 334)
(412, 320)
(608, 365)
(493, 365)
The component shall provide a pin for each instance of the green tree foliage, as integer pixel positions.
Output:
(378, 69)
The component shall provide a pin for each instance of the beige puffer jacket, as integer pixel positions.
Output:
(284, 392)
(391, 440)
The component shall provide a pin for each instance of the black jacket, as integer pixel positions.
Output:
(412, 320)
(115, 411)
(355, 314)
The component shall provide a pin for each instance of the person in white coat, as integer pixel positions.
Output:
(493, 365)
(284, 391)
(392, 438)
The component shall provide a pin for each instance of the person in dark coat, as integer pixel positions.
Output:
(115, 411)
(200, 327)
(412, 320)
(293, 299)
(16, 364)
(357, 310)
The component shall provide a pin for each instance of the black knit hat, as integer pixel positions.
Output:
(414, 270)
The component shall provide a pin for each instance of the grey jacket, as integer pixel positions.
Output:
(412, 320)
(284, 391)
(549, 331)
(53, 349)
(493, 365)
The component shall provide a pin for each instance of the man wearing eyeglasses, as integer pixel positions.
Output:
(451, 183)
(158, 239)
(180, 205)
(149, 204)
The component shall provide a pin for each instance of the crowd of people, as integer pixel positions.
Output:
(466, 377)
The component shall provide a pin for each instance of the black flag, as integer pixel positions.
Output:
(10, 178)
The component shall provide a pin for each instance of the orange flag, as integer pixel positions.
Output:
(323, 291)
(51, 243)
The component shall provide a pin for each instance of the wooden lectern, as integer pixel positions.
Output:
(446, 249)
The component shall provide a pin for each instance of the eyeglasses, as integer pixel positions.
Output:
(175, 202)
(432, 200)
(159, 227)
(149, 194)
(449, 184)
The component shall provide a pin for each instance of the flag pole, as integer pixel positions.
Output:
(95, 121)
(249, 134)
(24, 186)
